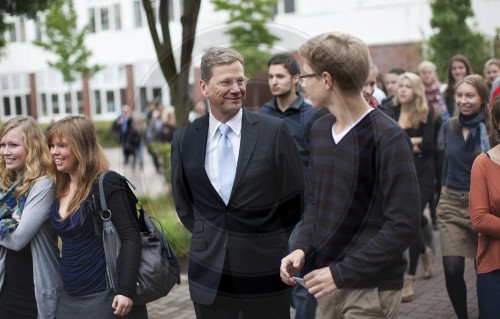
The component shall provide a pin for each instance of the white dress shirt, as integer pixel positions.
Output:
(211, 158)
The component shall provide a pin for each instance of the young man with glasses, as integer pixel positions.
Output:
(362, 212)
(238, 188)
(289, 104)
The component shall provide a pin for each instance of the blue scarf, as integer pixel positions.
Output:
(478, 136)
(9, 207)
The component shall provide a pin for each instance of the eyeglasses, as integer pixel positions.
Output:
(229, 83)
(305, 76)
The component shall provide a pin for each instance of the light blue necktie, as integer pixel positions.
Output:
(227, 164)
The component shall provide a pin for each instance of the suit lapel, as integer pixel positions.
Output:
(249, 134)
(199, 139)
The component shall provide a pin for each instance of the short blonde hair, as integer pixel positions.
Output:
(426, 64)
(344, 56)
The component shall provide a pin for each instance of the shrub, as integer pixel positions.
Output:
(162, 207)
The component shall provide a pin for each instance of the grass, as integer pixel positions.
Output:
(162, 207)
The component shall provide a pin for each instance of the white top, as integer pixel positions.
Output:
(234, 135)
(338, 137)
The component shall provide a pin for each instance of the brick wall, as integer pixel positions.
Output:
(386, 57)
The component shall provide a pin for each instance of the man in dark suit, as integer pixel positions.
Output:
(240, 228)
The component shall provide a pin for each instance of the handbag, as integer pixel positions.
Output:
(159, 268)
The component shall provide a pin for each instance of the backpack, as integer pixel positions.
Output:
(159, 268)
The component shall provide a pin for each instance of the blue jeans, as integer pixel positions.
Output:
(302, 301)
(488, 294)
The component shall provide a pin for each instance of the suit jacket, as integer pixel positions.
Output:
(245, 240)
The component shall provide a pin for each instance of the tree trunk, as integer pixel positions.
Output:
(178, 80)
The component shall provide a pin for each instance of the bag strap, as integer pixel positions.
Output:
(102, 198)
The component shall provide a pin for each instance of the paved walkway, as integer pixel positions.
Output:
(146, 181)
(431, 301)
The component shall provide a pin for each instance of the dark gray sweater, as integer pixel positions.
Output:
(363, 211)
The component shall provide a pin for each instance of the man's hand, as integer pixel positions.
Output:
(320, 282)
(290, 265)
(122, 305)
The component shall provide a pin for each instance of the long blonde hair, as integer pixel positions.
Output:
(38, 160)
(419, 109)
(79, 133)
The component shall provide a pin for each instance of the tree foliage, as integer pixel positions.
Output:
(248, 32)
(455, 36)
(66, 42)
(176, 77)
(28, 8)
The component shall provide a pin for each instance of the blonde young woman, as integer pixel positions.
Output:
(413, 115)
(491, 70)
(29, 258)
(465, 137)
(79, 159)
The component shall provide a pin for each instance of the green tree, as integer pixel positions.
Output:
(176, 76)
(454, 36)
(27, 8)
(248, 32)
(66, 42)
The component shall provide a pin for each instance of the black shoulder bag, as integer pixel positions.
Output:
(159, 268)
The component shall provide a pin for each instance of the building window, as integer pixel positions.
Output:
(11, 29)
(289, 6)
(38, 29)
(22, 29)
(137, 14)
(92, 20)
(44, 104)
(123, 96)
(97, 100)
(284, 6)
(15, 81)
(5, 82)
(104, 19)
(110, 101)
(157, 95)
(118, 16)
(19, 105)
(67, 99)
(55, 104)
(28, 105)
(80, 102)
(143, 98)
(6, 106)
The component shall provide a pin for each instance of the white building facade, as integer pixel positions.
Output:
(121, 44)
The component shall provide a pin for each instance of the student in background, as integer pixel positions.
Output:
(413, 115)
(391, 86)
(491, 71)
(289, 105)
(458, 68)
(427, 72)
(465, 137)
